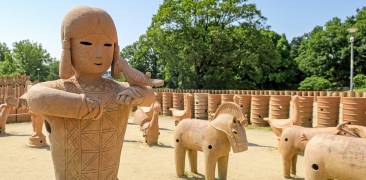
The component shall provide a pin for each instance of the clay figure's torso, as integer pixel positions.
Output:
(89, 148)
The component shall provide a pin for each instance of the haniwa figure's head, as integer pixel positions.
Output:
(89, 42)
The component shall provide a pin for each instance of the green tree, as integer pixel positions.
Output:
(30, 56)
(359, 81)
(212, 44)
(142, 56)
(7, 66)
(325, 52)
(315, 83)
(53, 70)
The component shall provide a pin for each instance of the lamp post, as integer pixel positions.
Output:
(351, 40)
(38, 73)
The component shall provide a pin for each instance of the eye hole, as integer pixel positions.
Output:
(86, 43)
(107, 44)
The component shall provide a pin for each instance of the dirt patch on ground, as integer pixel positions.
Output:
(140, 162)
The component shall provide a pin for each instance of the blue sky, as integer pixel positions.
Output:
(40, 20)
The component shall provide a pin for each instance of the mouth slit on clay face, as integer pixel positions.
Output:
(86, 43)
(98, 64)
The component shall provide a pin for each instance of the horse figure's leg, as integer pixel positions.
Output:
(222, 166)
(293, 164)
(180, 153)
(210, 165)
(192, 155)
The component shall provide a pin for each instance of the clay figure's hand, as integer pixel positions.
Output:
(133, 76)
(128, 95)
(92, 109)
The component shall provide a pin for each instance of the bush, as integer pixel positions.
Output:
(359, 81)
(315, 83)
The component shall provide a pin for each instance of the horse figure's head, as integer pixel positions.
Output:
(343, 129)
(231, 121)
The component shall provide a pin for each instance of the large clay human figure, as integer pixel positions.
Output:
(150, 127)
(293, 142)
(186, 112)
(335, 157)
(214, 138)
(88, 114)
(5, 109)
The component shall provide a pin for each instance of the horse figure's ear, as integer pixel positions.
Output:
(65, 67)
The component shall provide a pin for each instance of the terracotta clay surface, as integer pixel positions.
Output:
(214, 101)
(167, 103)
(37, 139)
(301, 115)
(244, 103)
(328, 111)
(88, 114)
(335, 157)
(347, 129)
(280, 107)
(178, 102)
(227, 98)
(5, 109)
(201, 105)
(150, 126)
(214, 138)
(292, 143)
(187, 112)
(354, 110)
(259, 110)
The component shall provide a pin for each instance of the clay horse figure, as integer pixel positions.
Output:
(88, 114)
(214, 138)
(150, 127)
(148, 120)
(5, 109)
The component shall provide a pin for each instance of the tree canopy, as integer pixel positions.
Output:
(30, 58)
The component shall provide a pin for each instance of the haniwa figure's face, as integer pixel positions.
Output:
(92, 54)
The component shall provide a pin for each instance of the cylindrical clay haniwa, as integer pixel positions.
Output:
(328, 111)
(259, 110)
(354, 110)
(244, 103)
(280, 107)
(305, 111)
(214, 101)
(200, 105)
(167, 103)
(178, 101)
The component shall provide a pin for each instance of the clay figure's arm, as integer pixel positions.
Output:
(136, 95)
(45, 99)
(133, 76)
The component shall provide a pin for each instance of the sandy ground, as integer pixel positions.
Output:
(140, 162)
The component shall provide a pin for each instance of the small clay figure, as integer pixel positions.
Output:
(335, 157)
(297, 117)
(5, 109)
(150, 127)
(214, 138)
(293, 142)
(37, 139)
(186, 112)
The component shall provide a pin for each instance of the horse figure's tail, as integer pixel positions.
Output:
(231, 108)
